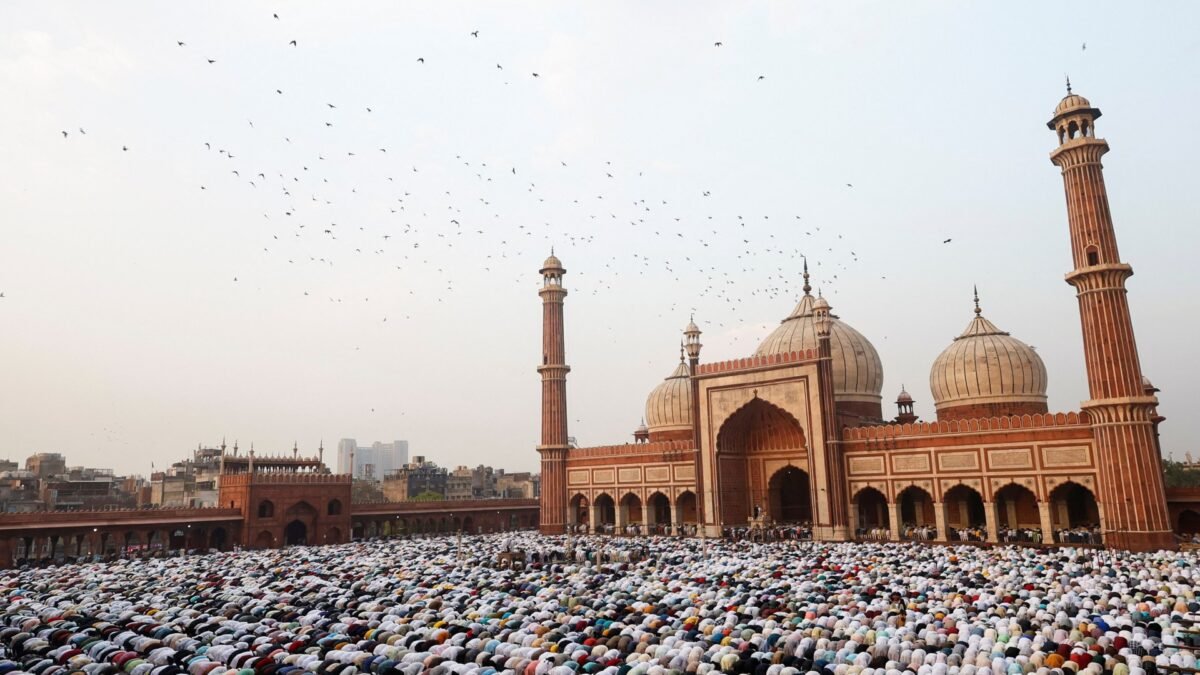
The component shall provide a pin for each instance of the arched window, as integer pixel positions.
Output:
(266, 509)
(1093, 256)
(1072, 129)
(335, 507)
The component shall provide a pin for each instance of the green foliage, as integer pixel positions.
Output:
(1178, 474)
(429, 496)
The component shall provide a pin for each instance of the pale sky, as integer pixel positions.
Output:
(155, 300)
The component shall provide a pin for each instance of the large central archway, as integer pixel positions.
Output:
(295, 534)
(757, 428)
(790, 496)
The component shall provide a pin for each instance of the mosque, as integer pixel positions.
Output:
(796, 432)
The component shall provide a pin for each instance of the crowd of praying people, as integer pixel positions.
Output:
(608, 606)
(780, 532)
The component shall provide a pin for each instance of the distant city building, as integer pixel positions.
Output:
(192, 482)
(46, 464)
(521, 485)
(415, 478)
(47, 482)
(467, 483)
(371, 463)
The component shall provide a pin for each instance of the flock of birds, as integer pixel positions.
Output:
(411, 225)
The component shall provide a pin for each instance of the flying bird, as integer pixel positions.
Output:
(761, 78)
(420, 59)
(535, 75)
(212, 60)
(179, 42)
(475, 33)
(292, 43)
(275, 15)
(64, 134)
(718, 44)
(947, 241)
(1084, 47)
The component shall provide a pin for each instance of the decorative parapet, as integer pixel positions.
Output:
(752, 362)
(49, 519)
(283, 478)
(1013, 423)
(655, 448)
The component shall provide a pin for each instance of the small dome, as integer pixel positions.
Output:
(552, 263)
(904, 396)
(669, 406)
(1071, 102)
(857, 370)
(986, 365)
(821, 303)
(691, 327)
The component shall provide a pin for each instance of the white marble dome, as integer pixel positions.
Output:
(987, 365)
(857, 370)
(669, 405)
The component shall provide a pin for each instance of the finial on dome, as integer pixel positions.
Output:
(977, 310)
(1068, 85)
(681, 351)
(807, 288)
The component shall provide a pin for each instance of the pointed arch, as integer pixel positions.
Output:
(658, 509)
(916, 506)
(759, 426)
(873, 520)
(631, 509)
(1016, 507)
(1074, 513)
(755, 428)
(605, 509)
(789, 496)
(965, 516)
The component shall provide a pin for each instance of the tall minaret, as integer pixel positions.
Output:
(831, 512)
(1133, 504)
(554, 371)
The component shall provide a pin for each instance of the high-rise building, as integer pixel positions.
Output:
(373, 462)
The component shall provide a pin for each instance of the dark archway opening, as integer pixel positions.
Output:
(790, 496)
(1189, 523)
(966, 519)
(295, 534)
(873, 519)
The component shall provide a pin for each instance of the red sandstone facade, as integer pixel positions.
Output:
(264, 502)
(796, 434)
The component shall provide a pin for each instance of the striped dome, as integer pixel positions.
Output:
(669, 406)
(1071, 102)
(987, 365)
(857, 370)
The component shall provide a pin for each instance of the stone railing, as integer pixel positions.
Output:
(284, 477)
(1015, 422)
(652, 448)
(717, 367)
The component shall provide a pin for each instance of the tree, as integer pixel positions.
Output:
(429, 496)
(1178, 474)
